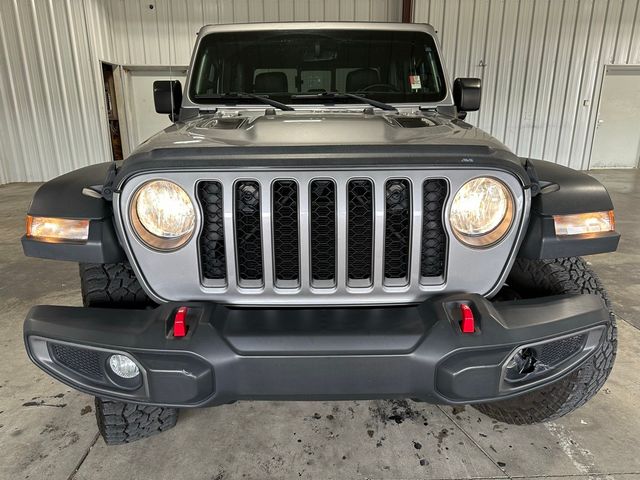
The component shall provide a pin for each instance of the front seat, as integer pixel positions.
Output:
(271, 82)
(360, 79)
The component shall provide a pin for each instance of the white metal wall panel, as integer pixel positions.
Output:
(51, 103)
(165, 34)
(541, 62)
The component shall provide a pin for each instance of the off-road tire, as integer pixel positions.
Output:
(111, 285)
(539, 278)
(121, 422)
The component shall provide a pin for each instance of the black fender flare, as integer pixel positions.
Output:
(62, 197)
(564, 191)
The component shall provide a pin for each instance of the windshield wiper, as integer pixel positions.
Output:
(334, 95)
(240, 95)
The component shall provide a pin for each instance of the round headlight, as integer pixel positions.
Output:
(162, 215)
(481, 212)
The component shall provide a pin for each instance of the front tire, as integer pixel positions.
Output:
(122, 422)
(111, 285)
(114, 285)
(539, 278)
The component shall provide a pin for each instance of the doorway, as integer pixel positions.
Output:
(616, 142)
(115, 138)
(142, 119)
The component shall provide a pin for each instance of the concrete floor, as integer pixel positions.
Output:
(48, 431)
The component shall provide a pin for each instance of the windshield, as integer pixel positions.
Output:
(294, 66)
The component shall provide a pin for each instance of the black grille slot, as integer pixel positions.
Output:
(397, 230)
(212, 252)
(552, 353)
(360, 232)
(323, 232)
(80, 360)
(434, 239)
(248, 233)
(285, 233)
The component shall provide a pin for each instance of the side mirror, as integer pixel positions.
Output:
(167, 97)
(467, 93)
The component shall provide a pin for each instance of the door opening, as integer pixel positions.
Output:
(112, 111)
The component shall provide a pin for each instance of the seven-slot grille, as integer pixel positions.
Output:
(354, 227)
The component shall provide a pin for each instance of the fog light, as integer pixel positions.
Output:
(521, 364)
(123, 366)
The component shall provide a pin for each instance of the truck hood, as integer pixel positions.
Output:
(317, 129)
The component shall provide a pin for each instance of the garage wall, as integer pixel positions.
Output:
(541, 63)
(52, 112)
(165, 34)
(50, 101)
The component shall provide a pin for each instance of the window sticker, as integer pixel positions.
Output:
(414, 81)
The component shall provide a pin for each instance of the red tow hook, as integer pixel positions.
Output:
(468, 323)
(179, 322)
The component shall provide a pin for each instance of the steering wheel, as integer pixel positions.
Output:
(387, 87)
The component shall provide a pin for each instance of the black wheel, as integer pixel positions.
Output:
(121, 422)
(539, 278)
(111, 285)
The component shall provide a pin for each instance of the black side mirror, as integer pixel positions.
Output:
(467, 93)
(167, 97)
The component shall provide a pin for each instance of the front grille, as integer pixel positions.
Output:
(290, 233)
(434, 240)
(248, 233)
(360, 232)
(81, 360)
(285, 233)
(322, 219)
(397, 233)
(212, 238)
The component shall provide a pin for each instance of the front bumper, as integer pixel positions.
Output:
(230, 354)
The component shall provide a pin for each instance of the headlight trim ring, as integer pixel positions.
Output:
(152, 240)
(493, 236)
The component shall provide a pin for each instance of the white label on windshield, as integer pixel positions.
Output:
(414, 80)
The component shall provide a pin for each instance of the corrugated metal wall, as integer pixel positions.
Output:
(165, 34)
(51, 102)
(541, 63)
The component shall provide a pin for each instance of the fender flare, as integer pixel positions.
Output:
(564, 191)
(62, 197)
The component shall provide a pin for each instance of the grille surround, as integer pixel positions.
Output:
(470, 270)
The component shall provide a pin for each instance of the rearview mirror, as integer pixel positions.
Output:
(167, 97)
(466, 94)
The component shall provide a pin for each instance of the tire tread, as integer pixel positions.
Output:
(553, 277)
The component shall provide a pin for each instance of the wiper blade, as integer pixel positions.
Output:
(334, 95)
(239, 95)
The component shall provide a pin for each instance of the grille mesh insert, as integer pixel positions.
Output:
(248, 231)
(285, 231)
(212, 238)
(323, 231)
(397, 235)
(553, 353)
(360, 230)
(434, 239)
(80, 360)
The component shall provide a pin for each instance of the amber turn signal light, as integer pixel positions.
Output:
(50, 229)
(581, 223)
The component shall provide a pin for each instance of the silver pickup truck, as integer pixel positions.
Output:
(319, 222)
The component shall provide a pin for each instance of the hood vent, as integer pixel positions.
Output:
(414, 122)
(224, 123)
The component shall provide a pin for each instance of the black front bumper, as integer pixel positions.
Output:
(348, 353)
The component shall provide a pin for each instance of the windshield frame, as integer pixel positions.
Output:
(189, 103)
